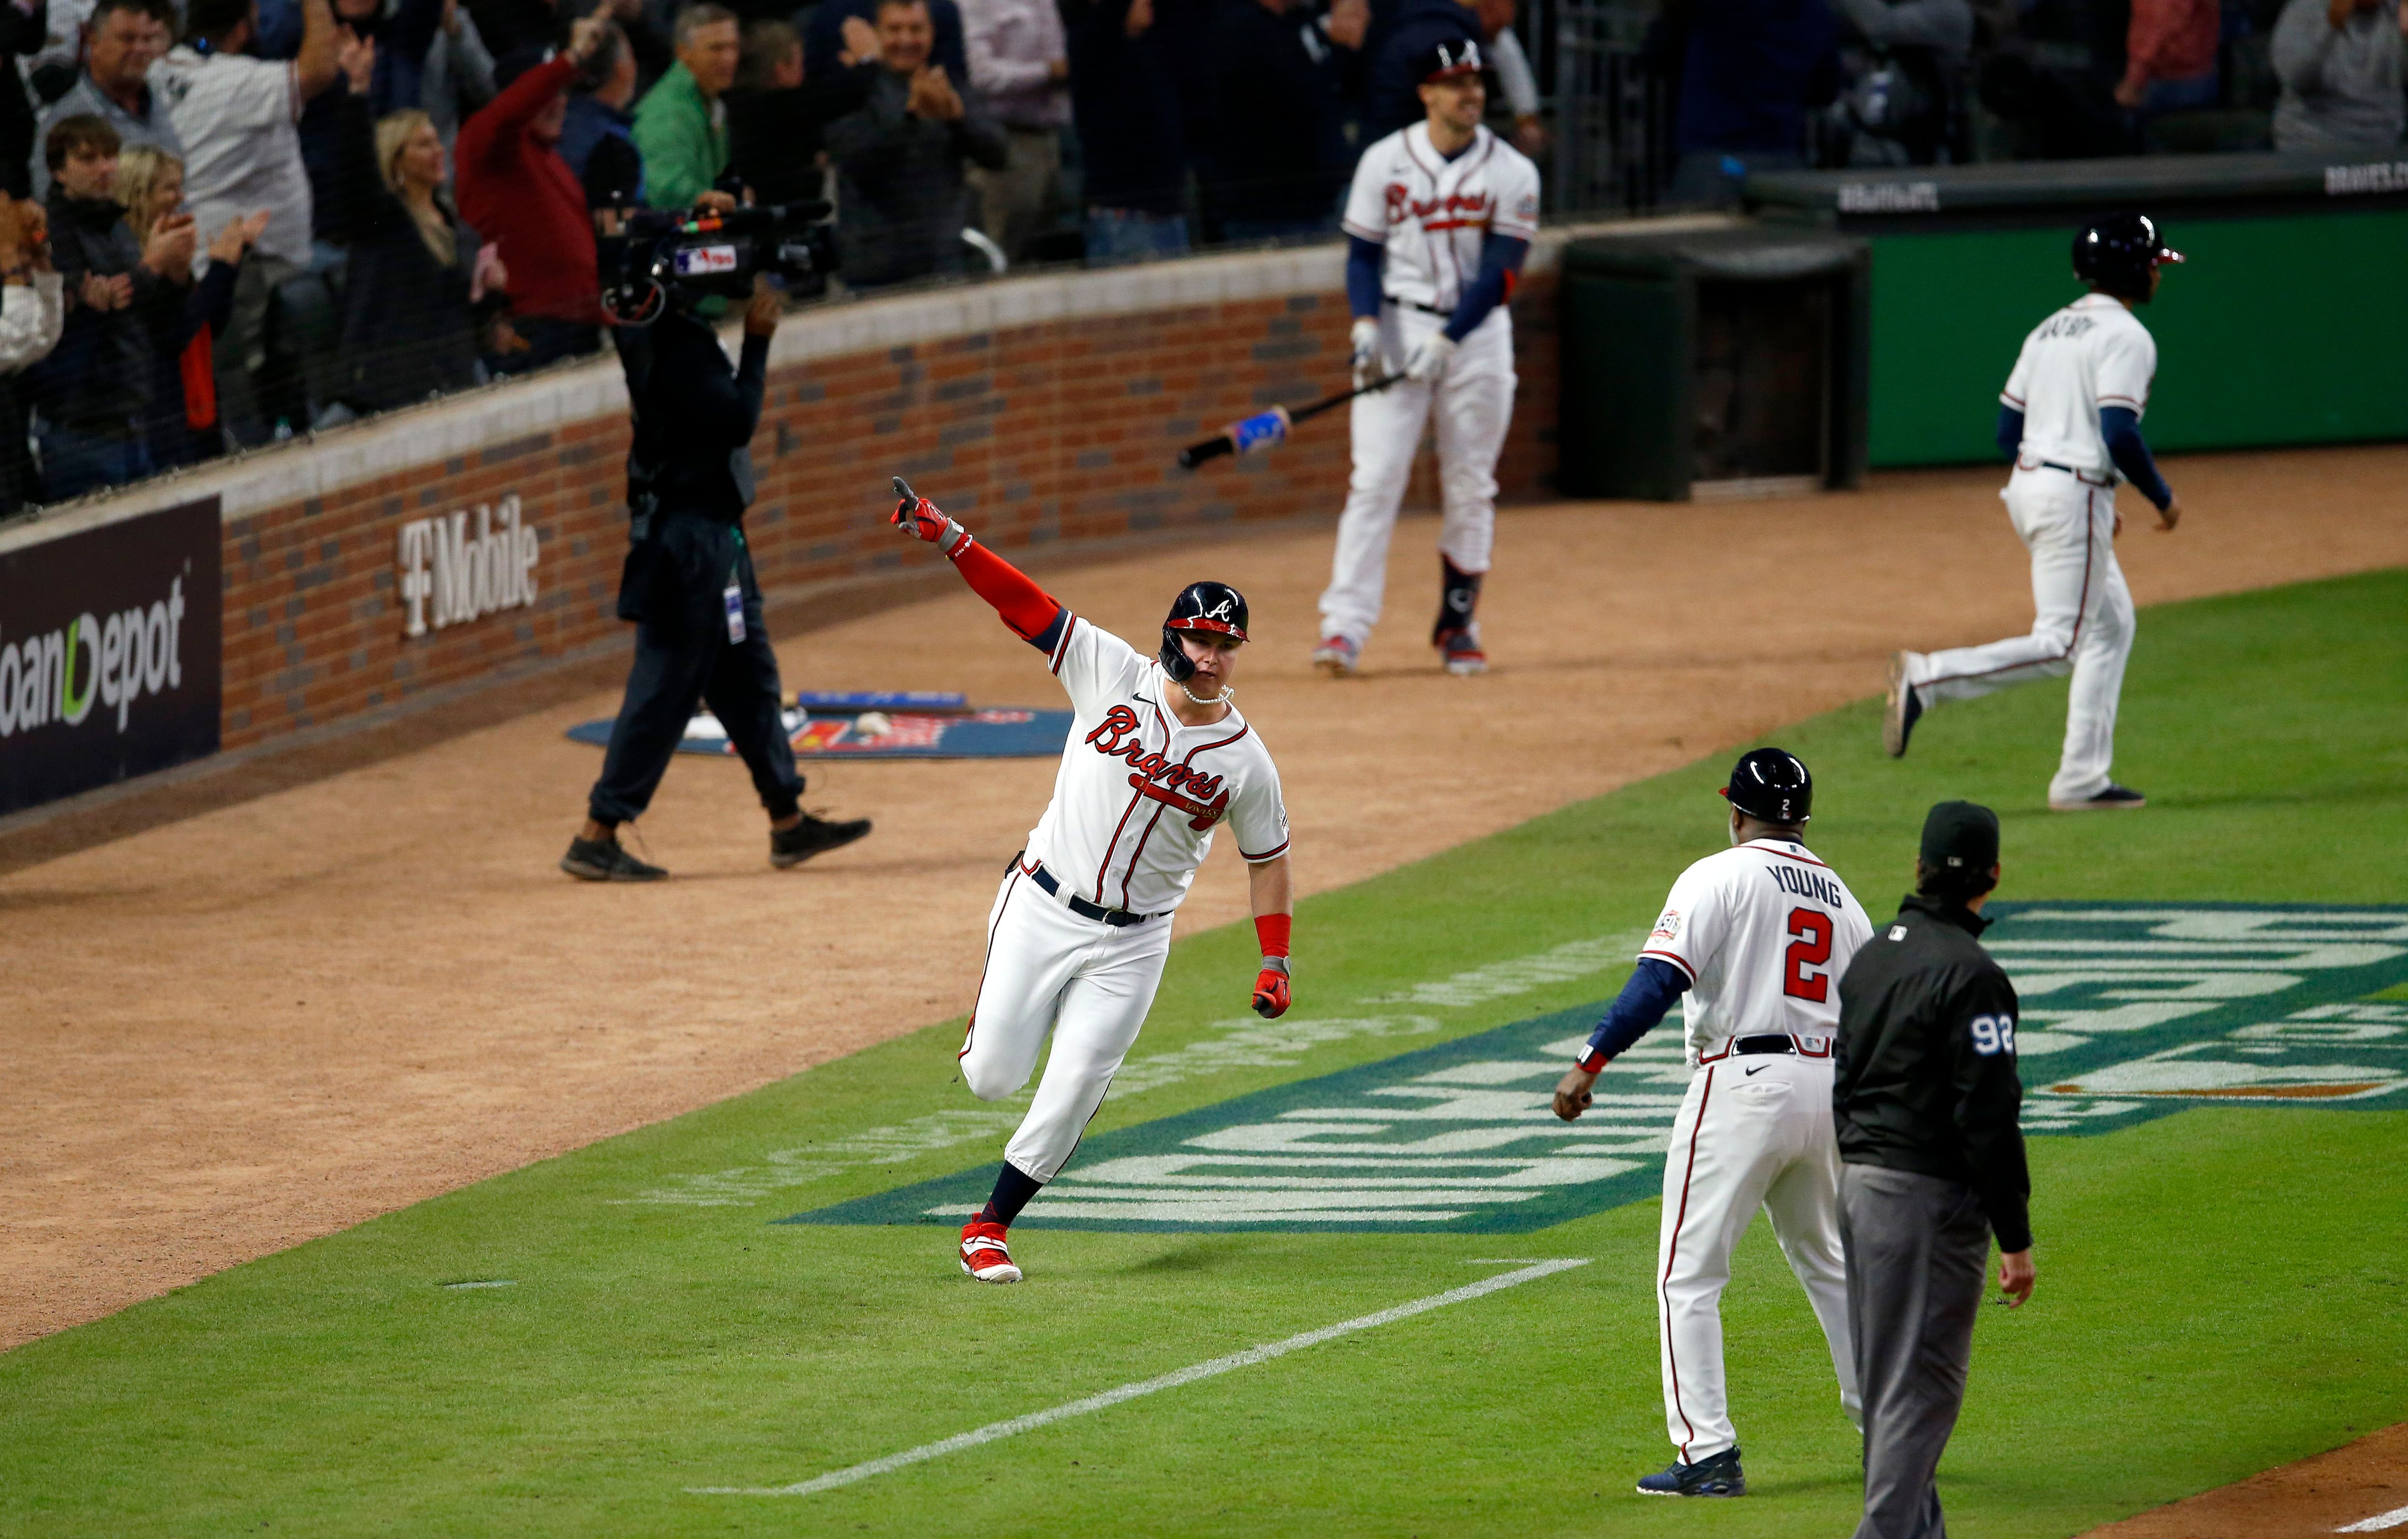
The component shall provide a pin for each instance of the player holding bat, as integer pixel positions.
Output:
(1438, 221)
(1157, 760)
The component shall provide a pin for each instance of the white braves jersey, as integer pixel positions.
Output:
(2090, 355)
(1139, 795)
(1430, 213)
(1763, 929)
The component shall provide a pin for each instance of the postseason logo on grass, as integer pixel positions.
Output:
(2130, 1011)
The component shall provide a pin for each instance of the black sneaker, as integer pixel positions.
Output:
(791, 847)
(2115, 798)
(607, 861)
(1719, 1475)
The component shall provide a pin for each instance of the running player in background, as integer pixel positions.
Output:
(1757, 936)
(1439, 218)
(2071, 417)
(1157, 759)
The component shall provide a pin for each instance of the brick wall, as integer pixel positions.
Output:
(1057, 429)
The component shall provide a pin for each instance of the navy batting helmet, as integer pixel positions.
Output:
(2116, 255)
(1448, 60)
(1214, 608)
(1771, 785)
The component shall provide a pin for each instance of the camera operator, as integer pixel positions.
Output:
(689, 586)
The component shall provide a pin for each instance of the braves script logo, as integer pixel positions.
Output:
(1190, 791)
(1457, 208)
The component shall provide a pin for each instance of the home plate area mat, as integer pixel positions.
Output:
(2130, 1011)
(885, 724)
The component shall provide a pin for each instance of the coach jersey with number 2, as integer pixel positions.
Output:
(1763, 929)
(1430, 214)
(1139, 795)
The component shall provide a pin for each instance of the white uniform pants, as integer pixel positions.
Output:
(1087, 983)
(2082, 624)
(1754, 1131)
(1472, 403)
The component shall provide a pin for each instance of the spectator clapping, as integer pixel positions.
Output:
(901, 157)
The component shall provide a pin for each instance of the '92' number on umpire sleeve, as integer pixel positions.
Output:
(1809, 951)
(1994, 1035)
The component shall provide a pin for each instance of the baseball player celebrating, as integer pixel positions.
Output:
(1438, 221)
(1757, 937)
(1157, 760)
(2070, 417)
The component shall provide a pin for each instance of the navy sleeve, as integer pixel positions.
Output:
(1500, 266)
(2121, 427)
(1049, 639)
(1643, 1002)
(1362, 277)
(2011, 431)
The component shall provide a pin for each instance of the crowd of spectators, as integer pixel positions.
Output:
(1767, 84)
(226, 221)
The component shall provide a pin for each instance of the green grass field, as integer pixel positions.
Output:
(2221, 1289)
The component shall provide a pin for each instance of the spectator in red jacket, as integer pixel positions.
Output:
(516, 190)
(2169, 56)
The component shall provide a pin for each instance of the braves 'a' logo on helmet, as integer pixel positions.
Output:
(1214, 608)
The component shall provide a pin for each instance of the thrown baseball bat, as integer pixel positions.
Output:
(1266, 428)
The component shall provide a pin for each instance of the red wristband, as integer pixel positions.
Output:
(1272, 929)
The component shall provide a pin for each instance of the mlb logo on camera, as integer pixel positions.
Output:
(702, 261)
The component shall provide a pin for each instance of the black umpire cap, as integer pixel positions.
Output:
(1771, 785)
(1960, 836)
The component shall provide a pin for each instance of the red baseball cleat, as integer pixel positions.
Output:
(984, 1255)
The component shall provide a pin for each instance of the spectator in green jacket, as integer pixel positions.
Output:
(682, 123)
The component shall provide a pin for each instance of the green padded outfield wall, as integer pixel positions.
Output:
(2283, 330)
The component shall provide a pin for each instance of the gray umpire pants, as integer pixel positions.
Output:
(1917, 1248)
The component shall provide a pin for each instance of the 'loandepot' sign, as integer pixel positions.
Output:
(2130, 1011)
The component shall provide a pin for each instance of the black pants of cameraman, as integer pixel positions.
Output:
(675, 589)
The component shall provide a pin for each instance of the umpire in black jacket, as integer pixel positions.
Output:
(1924, 1099)
(689, 586)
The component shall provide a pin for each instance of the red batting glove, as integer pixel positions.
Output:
(922, 520)
(1270, 989)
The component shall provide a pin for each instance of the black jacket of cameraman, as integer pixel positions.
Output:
(689, 583)
(695, 416)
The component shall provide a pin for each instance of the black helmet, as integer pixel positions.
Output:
(2117, 253)
(1771, 785)
(1214, 608)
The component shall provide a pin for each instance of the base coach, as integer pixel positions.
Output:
(1925, 1100)
(688, 585)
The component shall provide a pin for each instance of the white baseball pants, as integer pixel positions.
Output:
(1088, 984)
(1754, 1132)
(1473, 404)
(2082, 624)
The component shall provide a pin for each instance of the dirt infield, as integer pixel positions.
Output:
(2327, 1494)
(277, 1019)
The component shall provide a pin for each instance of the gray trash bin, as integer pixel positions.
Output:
(1718, 360)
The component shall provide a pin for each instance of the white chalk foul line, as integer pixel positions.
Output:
(2395, 1518)
(1247, 1358)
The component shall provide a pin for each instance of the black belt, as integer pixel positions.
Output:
(1768, 1043)
(1417, 305)
(1116, 918)
(2087, 478)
